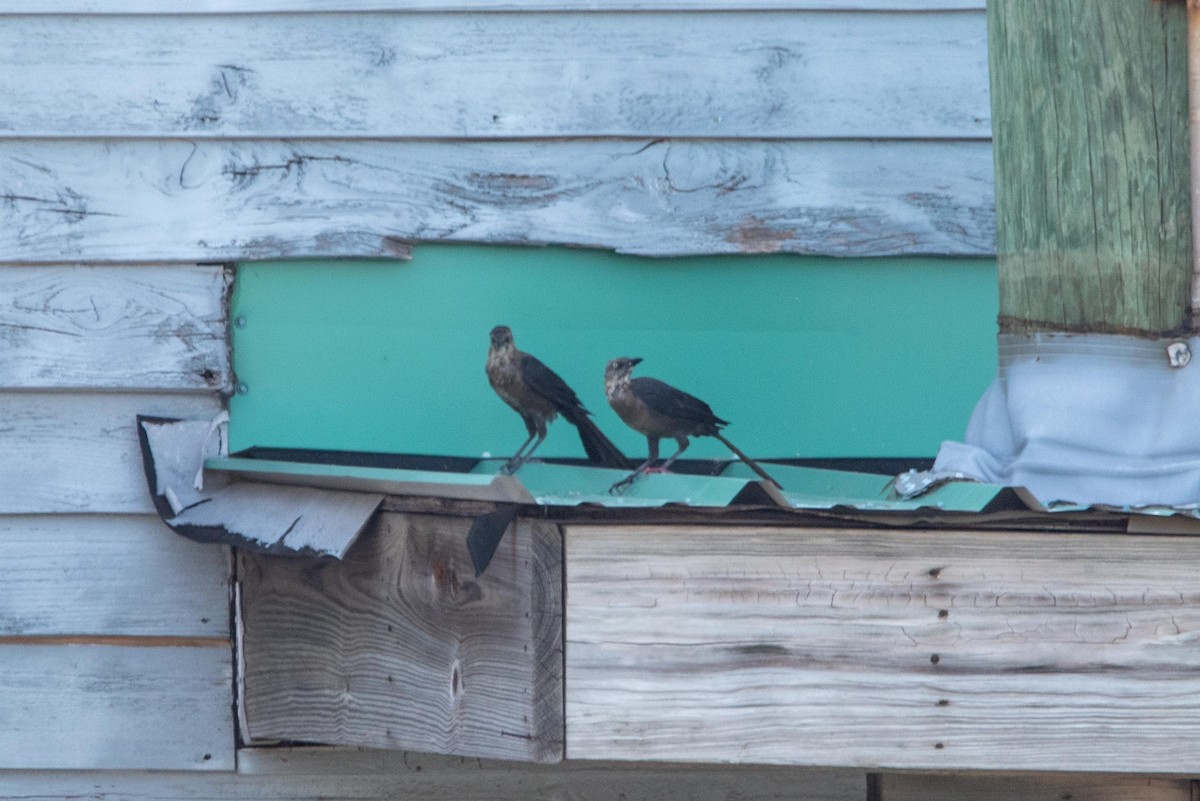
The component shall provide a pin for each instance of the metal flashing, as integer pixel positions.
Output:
(255, 515)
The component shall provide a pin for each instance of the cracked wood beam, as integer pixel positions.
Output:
(1089, 110)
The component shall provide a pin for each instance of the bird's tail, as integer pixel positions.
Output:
(600, 449)
(753, 465)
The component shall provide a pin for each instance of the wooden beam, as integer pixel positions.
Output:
(115, 707)
(399, 645)
(935, 650)
(304, 774)
(1092, 166)
(717, 75)
(121, 327)
(109, 575)
(241, 200)
(78, 452)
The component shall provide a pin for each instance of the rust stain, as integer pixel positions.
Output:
(756, 235)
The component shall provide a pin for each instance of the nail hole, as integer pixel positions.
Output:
(935, 659)
(943, 702)
(938, 746)
(943, 613)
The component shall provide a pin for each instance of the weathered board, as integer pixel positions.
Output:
(78, 452)
(120, 327)
(97, 7)
(985, 650)
(1046, 787)
(721, 75)
(63, 200)
(400, 645)
(116, 707)
(310, 773)
(1093, 191)
(109, 575)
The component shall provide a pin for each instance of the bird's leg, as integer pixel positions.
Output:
(642, 468)
(683, 442)
(514, 464)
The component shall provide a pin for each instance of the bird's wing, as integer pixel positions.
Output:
(670, 402)
(545, 382)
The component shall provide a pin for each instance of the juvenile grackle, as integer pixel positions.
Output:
(539, 395)
(659, 410)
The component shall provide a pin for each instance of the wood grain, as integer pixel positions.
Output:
(240, 200)
(400, 646)
(78, 452)
(115, 708)
(720, 75)
(1094, 197)
(121, 327)
(986, 651)
(303, 774)
(109, 575)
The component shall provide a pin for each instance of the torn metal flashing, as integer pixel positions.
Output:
(202, 506)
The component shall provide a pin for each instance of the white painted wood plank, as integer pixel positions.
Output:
(118, 327)
(924, 650)
(305, 774)
(78, 452)
(315, 6)
(212, 201)
(115, 707)
(109, 575)
(712, 75)
(1046, 787)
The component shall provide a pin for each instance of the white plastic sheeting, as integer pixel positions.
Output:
(1096, 419)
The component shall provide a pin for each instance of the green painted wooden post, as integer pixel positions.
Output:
(1089, 107)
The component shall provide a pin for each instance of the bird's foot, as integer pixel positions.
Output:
(511, 466)
(656, 470)
(624, 484)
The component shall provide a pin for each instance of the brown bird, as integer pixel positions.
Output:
(656, 409)
(537, 393)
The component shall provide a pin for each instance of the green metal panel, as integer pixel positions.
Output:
(808, 357)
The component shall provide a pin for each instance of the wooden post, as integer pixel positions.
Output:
(1089, 107)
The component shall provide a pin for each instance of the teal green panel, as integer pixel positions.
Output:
(808, 357)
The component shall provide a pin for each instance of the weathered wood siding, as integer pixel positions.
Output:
(937, 650)
(115, 649)
(813, 128)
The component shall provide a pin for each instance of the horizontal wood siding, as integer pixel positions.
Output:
(400, 645)
(895, 649)
(218, 200)
(115, 707)
(718, 75)
(158, 327)
(109, 575)
(78, 452)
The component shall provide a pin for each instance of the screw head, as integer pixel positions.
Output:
(1178, 354)
(242, 389)
(240, 322)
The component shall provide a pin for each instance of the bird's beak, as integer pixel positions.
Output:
(636, 360)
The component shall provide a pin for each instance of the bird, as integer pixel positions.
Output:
(657, 409)
(539, 395)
